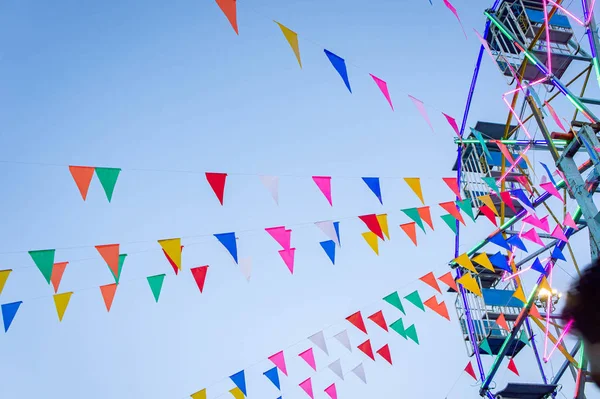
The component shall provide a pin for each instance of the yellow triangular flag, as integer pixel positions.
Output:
(487, 200)
(61, 301)
(292, 38)
(415, 184)
(484, 261)
(237, 393)
(382, 219)
(199, 395)
(3, 277)
(465, 262)
(172, 247)
(371, 239)
(520, 295)
(469, 283)
(522, 155)
(544, 284)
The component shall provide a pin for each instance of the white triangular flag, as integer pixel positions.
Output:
(360, 372)
(246, 267)
(329, 230)
(336, 367)
(344, 339)
(272, 184)
(319, 340)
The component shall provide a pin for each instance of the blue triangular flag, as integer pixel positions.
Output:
(373, 183)
(500, 261)
(230, 243)
(537, 266)
(557, 254)
(239, 379)
(520, 194)
(340, 66)
(336, 226)
(9, 310)
(515, 241)
(273, 376)
(549, 174)
(500, 241)
(329, 248)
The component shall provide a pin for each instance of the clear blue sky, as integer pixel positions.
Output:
(169, 86)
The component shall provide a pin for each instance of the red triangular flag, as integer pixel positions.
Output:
(83, 177)
(501, 321)
(217, 183)
(488, 214)
(384, 352)
(448, 279)
(425, 215)
(512, 367)
(229, 9)
(110, 254)
(173, 265)
(410, 230)
(451, 208)
(372, 224)
(439, 308)
(507, 199)
(378, 319)
(452, 183)
(470, 371)
(199, 274)
(430, 280)
(108, 293)
(366, 348)
(357, 320)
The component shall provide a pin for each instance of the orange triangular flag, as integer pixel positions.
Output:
(453, 185)
(439, 308)
(410, 230)
(487, 200)
(451, 208)
(501, 321)
(57, 272)
(535, 312)
(82, 176)
(415, 184)
(512, 367)
(229, 9)
(448, 279)
(110, 254)
(108, 293)
(430, 280)
(425, 215)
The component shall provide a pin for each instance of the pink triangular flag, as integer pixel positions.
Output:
(281, 235)
(554, 116)
(485, 45)
(544, 224)
(384, 89)
(558, 233)
(287, 255)
(451, 8)
(569, 222)
(309, 357)
(279, 360)
(452, 123)
(549, 186)
(532, 236)
(324, 184)
(421, 107)
(534, 221)
(306, 385)
(331, 391)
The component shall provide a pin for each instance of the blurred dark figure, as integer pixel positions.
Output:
(583, 307)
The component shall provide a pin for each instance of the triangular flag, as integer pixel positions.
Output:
(239, 379)
(487, 200)
(512, 367)
(467, 207)
(533, 220)
(534, 312)
(237, 393)
(57, 272)
(545, 224)
(108, 178)
(309, 357)
(331, 391)
(467, 281)
(288, 255)
(549, 187)
(415, 299)
(448, 279)
(394, 300)
(319, 340)
(569, 222)
(520, 295)
(383, 222)
(366, 348)
(464, 261)
(421, 107)
(246, 267)
(44, 260)
(501, 321)
(374, 186)
(532, 236)
(336, 367)
(485, 346)
(171, 262)
(199, 274)
(515, 241)
(172, 249)
(201, 394)
(384, 352)
(500, 261)
(156, 283)
(398, 326)
(110, 254)
(453, 10)
(450, 222)
(378, 319)
(425, 214)
(507, 199)
(306, 386)
(357, 320)
(83, 177)
(217, 181)
(271, 183)
(9, 310)
(413, 214)
(292, 39)
(122, 261)
(452, 183)
(411, 231)
(439, 308)
(372, 223)
(278, 360)
(371, 239)
(452, 123)
(281, 235)
(523, 338)
(491, 182)
(328, 227)
(229, 241)
(470, 371)
(557, 254)
(411, 332)
(336, 226)
(3, 277)
(340, 66)
(488, 213)
(554, 116)
(522, 197)
(273, 376)
(556, 233)
(537, 266)
(484, 261)
(324, 184)
(108, 294)
(359, 371)
(384, 89)
(229, 8)
(479, 137)
(549, 173)
(415, 185)
(344, 339)
(499, 241)
(430, 280)
(61, 301)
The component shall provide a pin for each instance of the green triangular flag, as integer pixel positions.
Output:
(485, 346)
(490, 181)
(156, 283)
(44, 260)
(398, 326)
(479, 137)
(394, 300)
(467, 207)
(411, 332)
(108, 179)
(413, 213)
(450, 221)
(121, 261)
(415, 299)
(523, 338)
